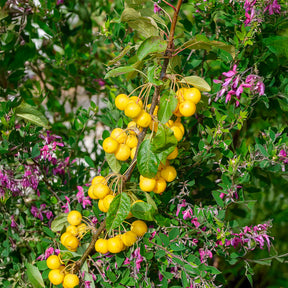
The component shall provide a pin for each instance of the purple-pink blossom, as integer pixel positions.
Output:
(81, 197)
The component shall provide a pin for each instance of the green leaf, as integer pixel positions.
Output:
(89, 161)
(48, 232)
(153, 44)
(143, 210)
(113, 163)
(150, 201)
(202, 42)
(146, 26)
(277, 45)
(217, 198)
(147, 161)
(34, 276)
(163, 142)
(32, 114)
(164, 239)
(118, 211)
(119, 71)
(262, 150)
(120, 56)
(59, 222)
(197, 82)
(35, 151)
(167, 105)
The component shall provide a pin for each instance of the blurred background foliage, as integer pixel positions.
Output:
(55, 54)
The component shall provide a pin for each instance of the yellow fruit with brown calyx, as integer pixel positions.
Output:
(160, 185)
(177, 132)
(107, 201)
(91, 192)
(71, 243)
(137, 100)
(53, 262)
(72, 229)
(101, 246)
(132, 141)
(119, 135)
(70, 280)
(115, 245)
(101, 206)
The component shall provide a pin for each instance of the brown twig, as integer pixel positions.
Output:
(155, 100)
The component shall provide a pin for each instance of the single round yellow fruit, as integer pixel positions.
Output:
(56, 277)
(133, 151)
(115, 245)
(132, 109)
(147, 184)
(129, 238)
(121, 101)
(71, 243)
(101, 206)
(177, 132)
(169, 173)
(123, 152)
(143, 119)
(193, 95)
(119, 135)
(160, 185)
(98, 179)
(132, 126)
(72, 229)
(101, 246)
(81, 229)
(91, 192)
(64, 236)
(110, 145)
(70, 280)
(139, 227)
(101, 190)
(180, 94)
(173, 154)
(53, 262)
(123, 245)
(136, 100)
(74, 218)
(132, 141)
(187, 108)
(107, 201)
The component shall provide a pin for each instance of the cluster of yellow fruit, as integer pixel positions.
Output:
(99, 189)
(120, 242)
(187, 100)
(58, 275)
(74, 232)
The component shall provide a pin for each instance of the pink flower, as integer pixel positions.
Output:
(49, 251)
(195, 222)
(13, 222)
(187, 213)
(180, 206)
(157, 9)
(126, 261)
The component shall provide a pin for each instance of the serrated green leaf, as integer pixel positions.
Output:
(153, 44)
(59, 222)
(118, 211)
(119, 71)
(32, 114)
(113, 163)
(143, 211)
(167, 105)
(34, 276)
(262, 150)
(147, 161)
(197, 82)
